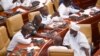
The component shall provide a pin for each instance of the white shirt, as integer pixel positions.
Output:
(76, 43)
(27, 3)
(18, 38)
(6, 4)
(17, 3)
(42, 1)
(46, 19)
(64, 11)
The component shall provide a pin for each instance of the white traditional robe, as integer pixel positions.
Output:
(76, 43)
(46, 19)
(6, 4)
(64, 11)
(18, 38)
(27, 3)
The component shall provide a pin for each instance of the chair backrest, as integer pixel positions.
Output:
(99, 27)
(14, 24)
(86, 29)
(60, 51)
(32, 14)
(49, 5)
(56, 4)
(4, 40)
(98, 3)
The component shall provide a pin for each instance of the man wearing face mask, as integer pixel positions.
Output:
(77, 41)
(20, 37)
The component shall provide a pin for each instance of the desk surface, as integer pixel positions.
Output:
(23, 49)
(97, 53)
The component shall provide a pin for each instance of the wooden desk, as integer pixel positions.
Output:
(84, 3)
(95, 31)
(23, 49)
(43, 49)
(24, 15)
(97, 53)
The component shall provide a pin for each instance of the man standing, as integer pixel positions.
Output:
(77, 41)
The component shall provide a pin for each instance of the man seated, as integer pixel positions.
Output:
(37, 24)
(46, 18)
(21, 36)
(27, 3)
(65, 9)
(77, 41)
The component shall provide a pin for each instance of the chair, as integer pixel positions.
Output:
(14, 24)
(60, 51)
(86, 29)
(56, 4)
(32, 14)
(49, 5)
(4, 41)
(98, 3)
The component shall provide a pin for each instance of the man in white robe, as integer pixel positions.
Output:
(20, 37)
(6, 4)
(77, 41)
(46, 17)
(65, 9)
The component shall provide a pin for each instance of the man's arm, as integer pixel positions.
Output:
(23, 40)
(86, 51)
(67, 46)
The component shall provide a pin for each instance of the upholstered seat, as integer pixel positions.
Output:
(4, 41)
(56, 4)
(32, 14)
(49, 5)
(86, 29)
(14, 24)
(98, 3)
(60, 51)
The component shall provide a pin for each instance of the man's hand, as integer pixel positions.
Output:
(81, 10)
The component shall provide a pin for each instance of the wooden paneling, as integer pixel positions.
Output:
(85, 3)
